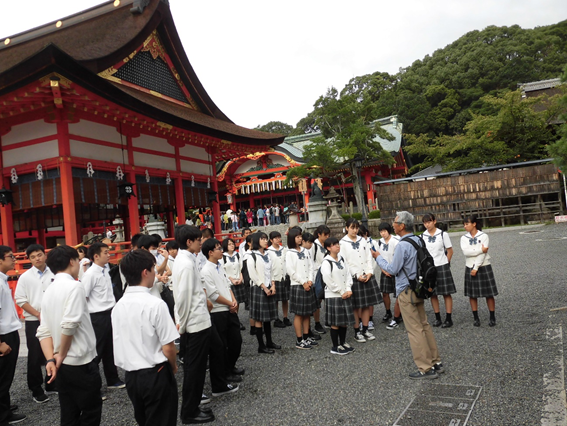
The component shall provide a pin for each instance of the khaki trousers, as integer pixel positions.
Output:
(422, 341)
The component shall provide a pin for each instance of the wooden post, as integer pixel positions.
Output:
(179, 200)
(133, 212)
(68, 195)
(215, 187)
(522, 222)
(8, 237)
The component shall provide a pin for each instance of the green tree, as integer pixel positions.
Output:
(276, 127)
(558, 150)
(348, 127)
(518, 131)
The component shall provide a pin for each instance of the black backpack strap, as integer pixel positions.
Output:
(412, 242)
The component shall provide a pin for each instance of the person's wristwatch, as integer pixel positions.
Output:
(50, 360)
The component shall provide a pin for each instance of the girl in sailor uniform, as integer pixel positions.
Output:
(338, 300)
(302, 298)
(232, 263)
(365, 292)
(318, 253)
(386, 246)
(277, 254)
(365, 233)
(479, 278)
(439, 246)
(263, 308)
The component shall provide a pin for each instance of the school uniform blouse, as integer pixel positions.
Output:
(339, 280)
(436, 245)
(141, 325)
(31, 286)
(232, 264)
(278, 262)
(299, 266)
(98, 289)
(64, 311)
(260, 271)
(386, 250)
(9, 321)
(318, 253)
(357, 256)
(216, 283)
(472, 249)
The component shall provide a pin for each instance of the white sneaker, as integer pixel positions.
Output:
(368, 336)
(359, 338)
(371, 325)
(393, 324)
(348, 347)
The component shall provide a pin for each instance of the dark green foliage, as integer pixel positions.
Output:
(374, 214)
(276, 127)
(558, 150)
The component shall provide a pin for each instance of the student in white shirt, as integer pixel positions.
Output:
(193, 322)
(29, 293)
(277, 254)
(479, 277)
(318, 253)
(84, 261)
(144, 347)
(205, 235)
(365, 291)
(439, 246)
(386, 246)
(338, 301)
(224, 317)
(303, 301)
(151, 244)
(9, 338)
(100, 301)
(232, 263)
(68, 341)
(242, 246)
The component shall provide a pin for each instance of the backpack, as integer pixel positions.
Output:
(244, 271)
(116, 279)
(319, 284)
(426, 280)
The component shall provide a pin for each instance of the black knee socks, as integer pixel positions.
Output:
(475, 314)
(448, 317)
(259, 333)
(492, 316)
(268, 332)
(335, 337)
(342, 335)
(438, 316)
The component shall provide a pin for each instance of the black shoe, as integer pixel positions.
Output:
(202, 417)
(226, 391)
(14, 408)
(439, 368)
(314, 336)
(476, 323)
(16, 418)
(447, 324)
(287, 322)
(387, 317)
(206, 410)
(437, 323)
(242, 328)
(491, 323)
(265, 351)
(233, 378)
(279, 323)
(273, 346)
(41, 398)
(238, 371)
(431, 374)
(320, 329)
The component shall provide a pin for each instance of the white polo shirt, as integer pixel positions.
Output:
(9, 320)
(216, 284)
(31, 286)
(141, 325)
(98, 289)
(64, 311)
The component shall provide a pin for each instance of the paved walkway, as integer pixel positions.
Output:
(512, 374)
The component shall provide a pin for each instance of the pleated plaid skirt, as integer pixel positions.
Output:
(302, 302)
(283, 289)
(445, 283)
(481, 285)
(262, 307)
(365, 294)
(241, 293)
(387, 284)
(338, 311)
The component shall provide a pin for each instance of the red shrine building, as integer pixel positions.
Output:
(102, 116)
(257, 179)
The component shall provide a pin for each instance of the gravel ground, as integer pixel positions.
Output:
(371, 386)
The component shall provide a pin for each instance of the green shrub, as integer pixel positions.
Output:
(346, 216)
(357, 216)
(374, 214)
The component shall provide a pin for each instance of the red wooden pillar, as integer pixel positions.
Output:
(133, 212)
(369, 186)
(68, 195)
(215, 187)
(179, 200)
(8, 237)
(170, 224)
(251, 200)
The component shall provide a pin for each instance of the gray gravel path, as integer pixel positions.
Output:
(371, 386)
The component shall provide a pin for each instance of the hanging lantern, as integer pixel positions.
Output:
(6, 196)
(147, 176)
(209, 183)
(192, 180)
(211, 197)
(119, 173)
(39, 172)
(14, 176)
(168, 179)
(126, 190)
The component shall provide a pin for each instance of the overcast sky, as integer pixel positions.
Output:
(264, 61)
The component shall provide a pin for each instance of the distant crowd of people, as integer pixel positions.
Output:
(189, 291)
